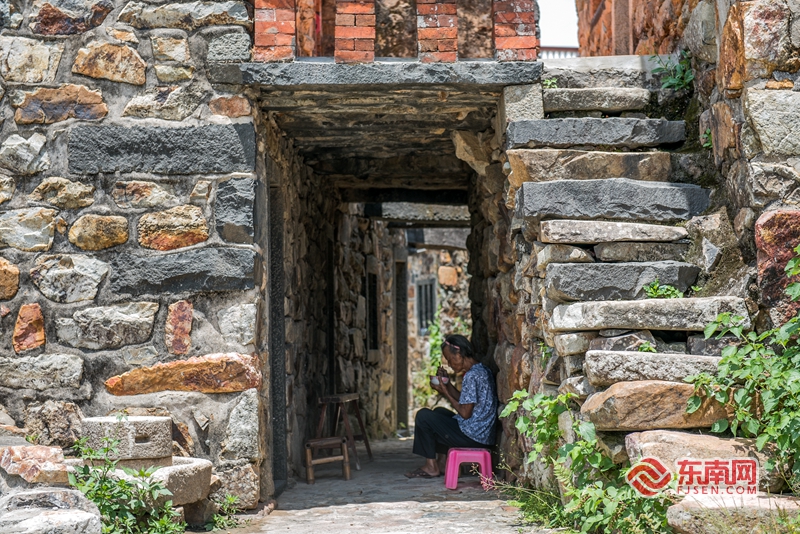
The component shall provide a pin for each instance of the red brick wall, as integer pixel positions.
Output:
(437, 31)
(274, 30)
(355, 31)
(515, 30)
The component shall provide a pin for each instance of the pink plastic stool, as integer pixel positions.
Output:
(456, 457)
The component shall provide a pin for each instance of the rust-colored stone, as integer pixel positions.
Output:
(118, 63)
(213, 373)
(4, 311)
(98, 232)
(448, 276)
(230, 106)
(52, 21)
(36, 464)
(179, 327)
(722, 130)
(777, 233)
(731, 65)
(649, 405)
(177, 227)
(29, 329)
(9, 279)
(46, 105)
(780, 84)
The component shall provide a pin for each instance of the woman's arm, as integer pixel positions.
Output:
(454, 396)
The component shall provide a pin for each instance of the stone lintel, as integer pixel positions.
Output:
(386, 72)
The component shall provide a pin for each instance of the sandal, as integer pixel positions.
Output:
(419, 473)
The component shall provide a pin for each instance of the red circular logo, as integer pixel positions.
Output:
(649, 477)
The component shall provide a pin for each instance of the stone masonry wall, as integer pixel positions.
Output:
(131, 261)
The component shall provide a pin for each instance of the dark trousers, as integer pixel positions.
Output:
(437, 431)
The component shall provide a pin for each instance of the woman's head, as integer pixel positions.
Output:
(457, 350)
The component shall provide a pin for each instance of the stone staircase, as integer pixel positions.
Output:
(603, 209)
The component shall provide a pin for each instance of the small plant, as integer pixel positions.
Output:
(708, 139)
(646, 346)
(32, 438)
(759, 382)
(676, 76)
(656, 290)
(225, 518)
(126, 507)
(598, 499)
(550, 83)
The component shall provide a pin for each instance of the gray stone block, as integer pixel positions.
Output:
(205, 269)
(709, 347)
(41, 372)
(213, 148)
(612, 198)
(189, 480)
(108, 327)
(613, 132)
(229, 47)
(641, 251)
(604, 368)
(775, 116)
(139, 437)
(625, 342)
(589, 232)
(609, 99)
(233, 210)
(548, 164)
(614, 281)
(650, 314)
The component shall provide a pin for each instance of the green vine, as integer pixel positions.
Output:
(598, 499)
(758, 379)
(676, 76)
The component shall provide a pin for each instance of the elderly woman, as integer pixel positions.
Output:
(473, 424)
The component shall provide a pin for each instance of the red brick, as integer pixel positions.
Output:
(266, 15)
(510, 17)
(355, 32)
(345, 44)
(274, 39)
(365, 20)
(356, 8)
(447, 45)
(285, 15)
(274, 27)
(436, 9)
(428, 46)
(515, 42)
(438, 57)
(427, 21)
(528, 54)
(354, 57)
(345, 20)
(426, 2)
(447, 21)
(505, 30)
(275, 4)
(365, 44)
(272, 53)
(437, 33)
(519, 6)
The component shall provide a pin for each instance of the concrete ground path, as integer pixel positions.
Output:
(379, 499)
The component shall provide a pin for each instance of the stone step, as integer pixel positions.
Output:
(550, 164)
(734, 514)
(641, 251)
(669, 446)
(604, 368)
(593, 232)
(649, 405)
(608, 99)
(612, 132)
(611, 198)
(692, 314)
(614, 281)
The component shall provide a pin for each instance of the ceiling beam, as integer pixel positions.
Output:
(450, 197)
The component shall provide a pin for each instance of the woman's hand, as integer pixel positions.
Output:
(438, 387)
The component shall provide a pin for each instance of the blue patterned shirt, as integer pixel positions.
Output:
(478, 388)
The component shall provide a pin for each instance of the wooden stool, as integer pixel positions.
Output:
(341, 402)
(326, 443)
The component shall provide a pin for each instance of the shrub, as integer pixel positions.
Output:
(657, 290)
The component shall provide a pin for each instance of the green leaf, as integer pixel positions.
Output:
(709, 330)
(719, 426)
(762, 440)
(693, 404)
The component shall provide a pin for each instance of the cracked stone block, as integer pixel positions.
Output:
(140, 437)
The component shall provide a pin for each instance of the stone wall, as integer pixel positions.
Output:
(641, 27)
(130, 255)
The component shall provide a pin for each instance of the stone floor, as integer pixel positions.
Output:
(379, 499)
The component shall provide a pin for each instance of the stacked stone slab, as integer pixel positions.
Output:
(599, 208)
